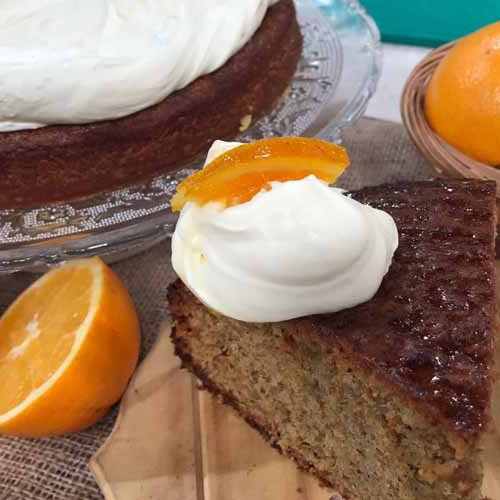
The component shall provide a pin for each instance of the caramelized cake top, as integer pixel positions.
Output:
(430, 328)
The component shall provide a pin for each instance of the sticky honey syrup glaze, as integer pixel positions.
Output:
(430, 328)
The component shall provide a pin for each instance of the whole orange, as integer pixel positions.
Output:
(462, 102)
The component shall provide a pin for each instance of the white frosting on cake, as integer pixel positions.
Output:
(300, 248)
(80, 61)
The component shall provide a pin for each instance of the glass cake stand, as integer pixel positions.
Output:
(337, 75)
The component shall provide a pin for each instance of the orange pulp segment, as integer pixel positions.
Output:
(239, 174)
(68, 346)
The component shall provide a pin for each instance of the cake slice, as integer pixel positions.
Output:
(389, 399)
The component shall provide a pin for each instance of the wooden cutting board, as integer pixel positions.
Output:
(174, 442)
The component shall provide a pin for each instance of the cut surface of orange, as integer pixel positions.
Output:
(68, 347)
(239, 174)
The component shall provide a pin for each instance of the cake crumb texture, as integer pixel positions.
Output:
(361, 441)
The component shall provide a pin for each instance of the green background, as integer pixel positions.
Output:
(430, 22)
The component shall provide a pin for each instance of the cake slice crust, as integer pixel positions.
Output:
(387, 400)
(430, 329)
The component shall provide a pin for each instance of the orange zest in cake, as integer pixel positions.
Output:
(258, 164)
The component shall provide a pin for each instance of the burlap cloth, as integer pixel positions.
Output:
(56, 469)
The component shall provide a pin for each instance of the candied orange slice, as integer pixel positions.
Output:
(239, 174)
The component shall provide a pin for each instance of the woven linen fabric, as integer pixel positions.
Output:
(57, 468)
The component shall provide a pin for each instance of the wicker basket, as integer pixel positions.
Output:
(442, 156)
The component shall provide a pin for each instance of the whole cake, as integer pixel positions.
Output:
(386, 399)
(99, 94)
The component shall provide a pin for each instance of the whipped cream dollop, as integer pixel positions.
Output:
(300, 248)
(80, 61)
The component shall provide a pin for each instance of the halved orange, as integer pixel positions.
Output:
(68, 346)
(239, 174)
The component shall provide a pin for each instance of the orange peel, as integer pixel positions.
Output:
(239, 174)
